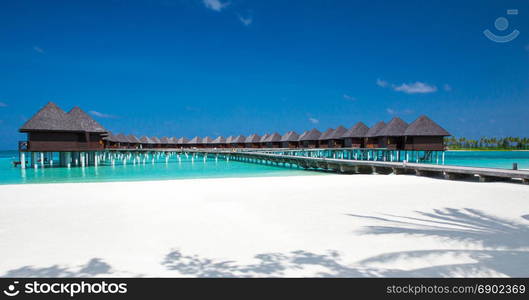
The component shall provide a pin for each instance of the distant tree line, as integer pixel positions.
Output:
(488, 143)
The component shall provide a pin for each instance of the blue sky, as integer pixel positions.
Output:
(215, 67)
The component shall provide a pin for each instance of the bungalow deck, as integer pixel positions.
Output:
(65, 139)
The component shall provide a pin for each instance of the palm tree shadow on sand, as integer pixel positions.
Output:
(267, 265)
(466, 225)
(93, 267)
(506, 253)
(506, 242)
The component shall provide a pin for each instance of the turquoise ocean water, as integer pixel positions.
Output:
(212, 169)
(140, 172)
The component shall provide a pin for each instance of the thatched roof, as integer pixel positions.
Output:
(338, 133)
(164, 140)
(207, 140)
(312, 135)
(327, 134)
(359, 130)
(156, 140)
(182, 141)
(86, 123)
(424, 126)
(133, 139)
(303, 135)
(146, 140)
(50, 118)
(173, 140)
(372, 132)
(254, 138)
(230, 139)
(274, 137)
(110, 137)
(239, 139)
(53, 118)
(290, 136)
(219, 140)
(121, 138)
(395, 127)
(264, 137)
(195, 140)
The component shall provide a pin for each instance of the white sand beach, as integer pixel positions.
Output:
(329, 225)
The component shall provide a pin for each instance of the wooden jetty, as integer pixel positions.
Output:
(277, 157)
(66, 139)
(352, 166)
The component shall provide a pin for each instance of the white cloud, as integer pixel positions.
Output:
(392, 111)
(347, 97)
(415, 88)
(382, 83)
(314, 121)
(102, 115)
(216, 5)
(38, 49)
(246, 21)
(3, 104)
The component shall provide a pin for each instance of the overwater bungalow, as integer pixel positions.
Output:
(252, 141)
(290, 140)
(134, 142)
(310, 139)
(273, 140)
(262, 142)
(123, 141)
(53, 130)
(173, 141)
(164, 142)
(392, 135)
(80, 140)
(355, 136)
(371, 139)
(120, 140)
(238, 141)
(219, 142)
(336, 139)
(325, 138)
(182, 142)
(157, 142)
(300, 144)
(195, 142)
(206, 142)
(146, 142)
(92, 129)
(229, 141)
(110, 141)
(425, 134)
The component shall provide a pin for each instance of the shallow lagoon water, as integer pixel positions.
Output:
(188, 169)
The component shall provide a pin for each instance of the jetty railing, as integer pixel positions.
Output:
(351, 166)
(339, 160)
(370, 154)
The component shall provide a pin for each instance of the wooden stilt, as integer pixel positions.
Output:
(23, 160)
